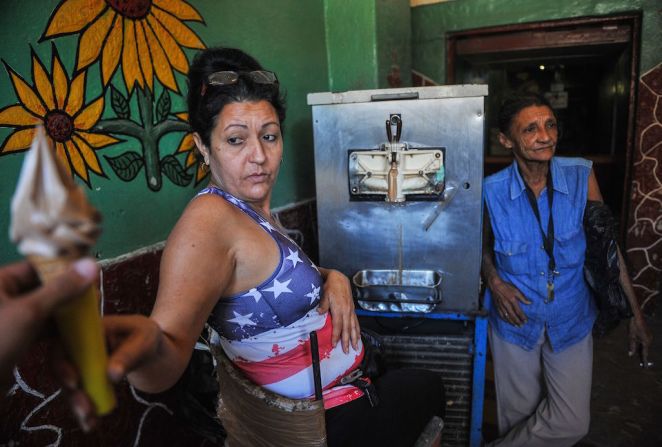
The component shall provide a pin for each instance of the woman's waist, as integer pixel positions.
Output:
(564, 323)
(564, 306)
(284, 345)
(567, 284)
(285, 365)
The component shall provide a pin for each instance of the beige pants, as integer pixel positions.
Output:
(543, 397)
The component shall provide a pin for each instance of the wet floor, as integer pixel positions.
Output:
(626, 402)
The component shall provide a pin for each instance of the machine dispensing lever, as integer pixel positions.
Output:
(393, 131)
(394, 123)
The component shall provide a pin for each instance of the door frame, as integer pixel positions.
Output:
(558, 33)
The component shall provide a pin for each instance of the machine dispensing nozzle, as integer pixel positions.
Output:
(393, 131)
(392, 195)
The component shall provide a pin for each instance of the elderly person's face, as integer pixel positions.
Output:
(246, 150)
(533, 134)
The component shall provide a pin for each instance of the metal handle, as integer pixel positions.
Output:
(394, 123)
(393, 96)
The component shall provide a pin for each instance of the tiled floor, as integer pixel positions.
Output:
(626, 407)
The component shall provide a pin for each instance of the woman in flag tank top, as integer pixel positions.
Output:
(228, 263)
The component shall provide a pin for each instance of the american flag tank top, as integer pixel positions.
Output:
(265, 330)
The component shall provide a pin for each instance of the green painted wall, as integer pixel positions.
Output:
(367, 41)
(351, 40)
(393, 41)
(287, 37)
(314, 45)
(431, 22)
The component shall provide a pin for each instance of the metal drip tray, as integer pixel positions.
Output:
(397, 290)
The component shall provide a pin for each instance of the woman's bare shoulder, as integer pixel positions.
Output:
(205, 222)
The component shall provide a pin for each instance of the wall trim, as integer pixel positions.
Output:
(105, 263)
(293, 205)
(158, 246)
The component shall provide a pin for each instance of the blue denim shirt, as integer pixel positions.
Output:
(522, 261)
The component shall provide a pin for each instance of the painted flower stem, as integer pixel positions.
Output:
(148, 135)
(119, 126)
(150, 141)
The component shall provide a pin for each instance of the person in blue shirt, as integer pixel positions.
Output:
(541, 309)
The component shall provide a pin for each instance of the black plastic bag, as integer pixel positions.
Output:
(197, 395)
(601, 268)
(373, 363)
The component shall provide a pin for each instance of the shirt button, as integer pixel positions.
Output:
(542, 247)
(542, 273)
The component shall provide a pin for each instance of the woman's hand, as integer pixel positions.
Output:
(640, 336)
(133, 340)
(337, 298)
(507, 298)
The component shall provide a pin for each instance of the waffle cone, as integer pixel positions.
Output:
(48, 268)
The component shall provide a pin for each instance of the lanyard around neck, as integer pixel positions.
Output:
(547, 239)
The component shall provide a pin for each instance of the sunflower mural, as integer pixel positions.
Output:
(146, 35)
(57, 103)
(141, 40)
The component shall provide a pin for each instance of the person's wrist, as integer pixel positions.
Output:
(493, 281)
(638, 319)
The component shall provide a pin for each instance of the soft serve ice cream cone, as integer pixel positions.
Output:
(53, 225)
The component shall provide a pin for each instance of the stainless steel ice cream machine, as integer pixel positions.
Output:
(399, 183)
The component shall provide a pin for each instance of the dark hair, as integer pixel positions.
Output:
(513, 104)
(205, 101)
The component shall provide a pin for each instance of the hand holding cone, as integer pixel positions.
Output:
(53, 225)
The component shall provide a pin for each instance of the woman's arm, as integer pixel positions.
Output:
(195, 268)
(506, 296)
(639, 333)
(337, 298)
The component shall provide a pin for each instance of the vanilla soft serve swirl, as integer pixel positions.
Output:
(51, 216)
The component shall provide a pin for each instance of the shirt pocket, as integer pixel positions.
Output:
(570, 248)
(511, 256)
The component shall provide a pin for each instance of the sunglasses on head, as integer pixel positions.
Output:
(231, 77)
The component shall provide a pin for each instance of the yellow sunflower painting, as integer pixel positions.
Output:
(147, 35)
(187, 145)
(56, 102)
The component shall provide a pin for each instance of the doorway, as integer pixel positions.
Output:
(586, 67)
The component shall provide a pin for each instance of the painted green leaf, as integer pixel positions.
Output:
(171, 167)
(163, 106)
(127, 165)
(119, 103)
